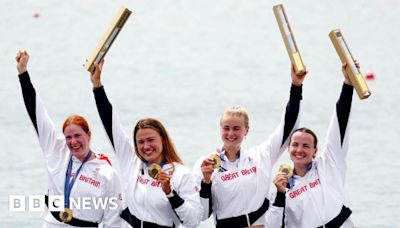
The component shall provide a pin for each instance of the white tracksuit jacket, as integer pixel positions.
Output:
(318, 197)
(144, 196)
(96, 179)
(241, 188)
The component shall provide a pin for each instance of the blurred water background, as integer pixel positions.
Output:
(184, 62)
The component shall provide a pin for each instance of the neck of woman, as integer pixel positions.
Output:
(232, 153)
(301, 169)
(83, 156)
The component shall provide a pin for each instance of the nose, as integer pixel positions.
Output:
(230, 132)
(299, 149)
(73, 140)
(146, 145)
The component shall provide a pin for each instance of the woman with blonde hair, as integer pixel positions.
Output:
(236, 190)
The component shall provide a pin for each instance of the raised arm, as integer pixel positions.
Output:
(336, 146)
(118, 138)
(343, 105)
(37, 113)
(28, 91)
(293, 106)
(278, 140)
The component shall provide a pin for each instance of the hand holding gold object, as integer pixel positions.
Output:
(108, 38)
(352, 71)
(288, 39)
(216, 161)
(285, 168)
(66, 215)
(154, 169)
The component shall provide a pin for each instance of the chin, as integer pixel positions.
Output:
(149, 159)
(77, 153)
(231, 144)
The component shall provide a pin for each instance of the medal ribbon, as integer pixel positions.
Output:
(68, 184)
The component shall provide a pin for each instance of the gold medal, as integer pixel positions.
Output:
(66, 215)
(216, 161)
(154, 169)
(285, 168)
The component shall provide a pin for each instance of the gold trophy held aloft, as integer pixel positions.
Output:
(108, 38)
(288, 38)
(355, 76)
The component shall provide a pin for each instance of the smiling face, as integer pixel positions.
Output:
(302, 148)
(233, 131)
(77, 140)
(153, 143)
(149, 145)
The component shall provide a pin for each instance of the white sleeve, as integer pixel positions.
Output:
(124, 150)
(274, 214)
(198, 177)
(111, 217)
(334, 150)
(53, 146)
(190, 212)
(274, 147)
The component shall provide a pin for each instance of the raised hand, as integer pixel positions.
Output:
(95, 76)
(297, 79)
(22, 59)
(346, 76)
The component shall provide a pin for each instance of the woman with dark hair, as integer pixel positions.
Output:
(315, 192)
(160, 190)
(73, 169)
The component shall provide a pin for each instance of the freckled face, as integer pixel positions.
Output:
(301, 148)
(150, 145)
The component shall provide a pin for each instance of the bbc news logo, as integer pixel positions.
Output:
(20, 203)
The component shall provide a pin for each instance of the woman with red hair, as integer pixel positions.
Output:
(74, 170)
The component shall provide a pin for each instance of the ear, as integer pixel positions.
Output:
(90, 135)
(315, 153)
(247, 131)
